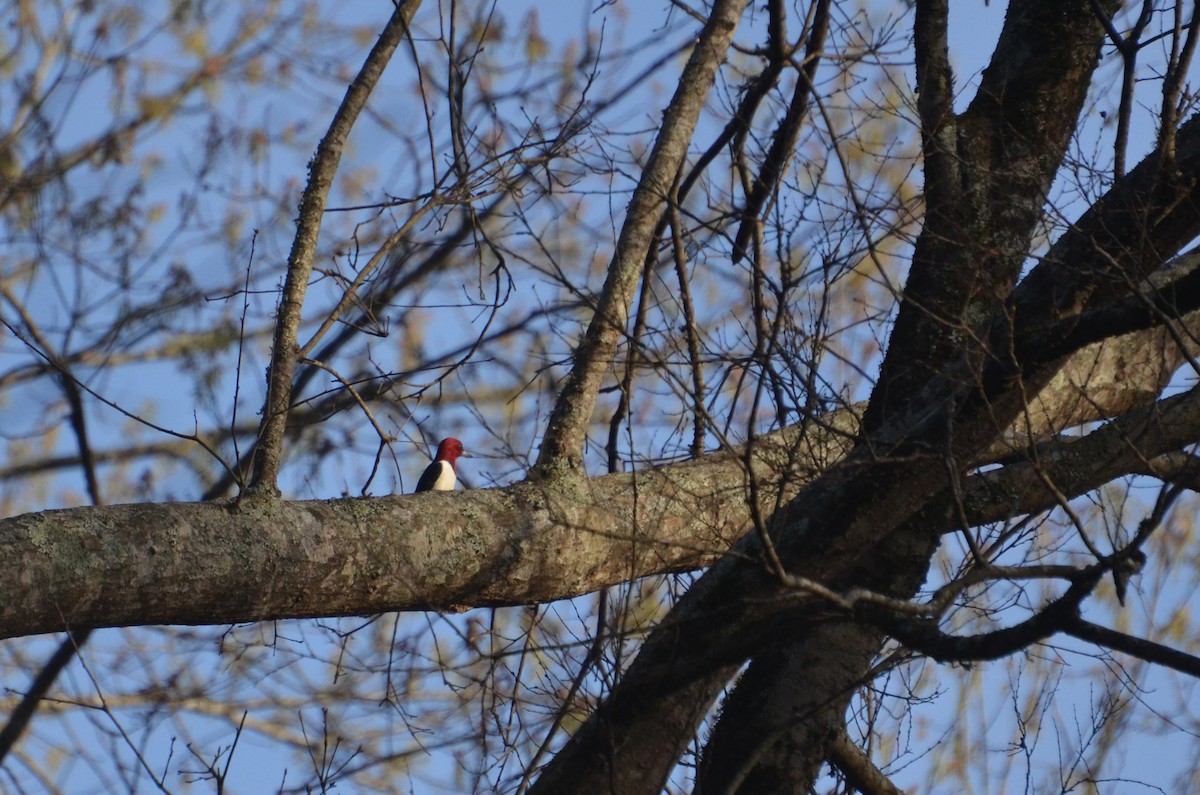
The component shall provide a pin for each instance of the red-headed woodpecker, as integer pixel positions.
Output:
(439, 476)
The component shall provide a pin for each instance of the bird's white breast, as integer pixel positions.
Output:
(445, 479)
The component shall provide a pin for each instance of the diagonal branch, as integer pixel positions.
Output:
(837, 524)
(321, 171)
(1140, 648)
(783, 142)
(562, 446)
(988, 172)
(1145, 218)
(924, 636)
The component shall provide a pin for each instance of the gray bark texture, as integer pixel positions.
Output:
(206, 563)
(969, 351)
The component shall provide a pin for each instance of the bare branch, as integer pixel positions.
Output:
(562, 445)
(324, 165)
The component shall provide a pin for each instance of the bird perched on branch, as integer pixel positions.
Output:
(440, 475)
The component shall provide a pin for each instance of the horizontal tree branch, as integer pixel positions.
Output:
(212, 563)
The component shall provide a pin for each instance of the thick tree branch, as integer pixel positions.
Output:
(1132, 443)
(1148, 308)
(857, 768)
(217, 563)
(1144, 219)
(138, 564)
(899, 467)
(988, 173)
(765, 760)
(935, 102)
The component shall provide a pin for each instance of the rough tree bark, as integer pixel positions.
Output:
(959, 368)
(203, 563)
(987, 173)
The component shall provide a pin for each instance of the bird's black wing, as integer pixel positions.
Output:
(429, 477)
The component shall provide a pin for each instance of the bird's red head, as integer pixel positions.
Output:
(450, 450)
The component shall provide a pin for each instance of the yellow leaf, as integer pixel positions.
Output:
(156, 107)
(196, 41)
(364, 35)
(536, 47)
(255, 70)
